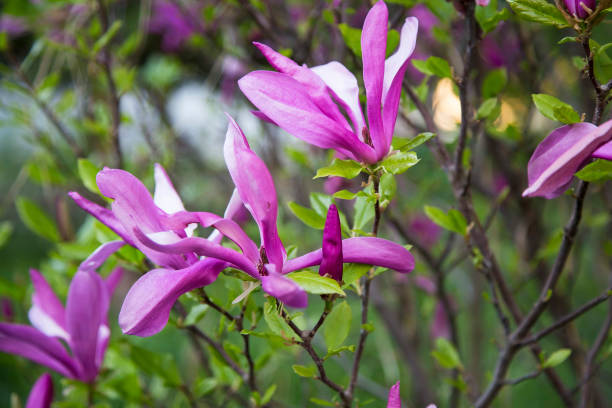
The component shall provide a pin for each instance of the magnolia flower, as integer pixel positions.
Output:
(394, 397)
(82, 325)
(147, 305)
(41, 394)
(331, 248)
(306, 101)
(268, 263)
(578, 8)
(554, 162)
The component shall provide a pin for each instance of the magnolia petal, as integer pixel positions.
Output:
(395, 68)
(285, 290)
(146, 308)
(86, 306)
(288, 104)
(165, 195)
(483, 3)
(41, 394)
(28, 342)
(373, 48)
(561, 154)
(256, 188)
(331, 263)
(344, 86)
(316, 88)
(204, 247)
(394, 396)
(100, 255)
(365, 250)
(134, 207)
(603, 152)
(105, 216)
(47, 313)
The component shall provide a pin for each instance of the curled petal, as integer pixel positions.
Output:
(344, 86)
(28, 342)
(147, 305)
(395, 68)
(288, 104)
(165, 195)
(99, 256)
(203, 247)
(86, 308)
(603, 152)
(285, 290)
(105, 216)
(560, 155)
(256, 188)
(47, 313)
(394, 396)
(365, 250)
(41, 394)
(331, 263)
(315, 87)
(373, 47)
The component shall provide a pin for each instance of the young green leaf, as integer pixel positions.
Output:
(452, 221)
(342, 168)
(36, 220)
(494, 82)
(599, 170)
(556, 358)
(276, 323)
(489, 109)
(410, 144)
(337, 326)
(314, 283)
(446, 355)
(555, 109)
(399, 162)
(304, 371)
(87, 173)
(434, 66)
(307, 215)
(539, 11)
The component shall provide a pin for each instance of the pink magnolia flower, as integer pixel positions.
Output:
(41, 394)
(269, 262)
(82, 325)
(306, 101)
(554, 162)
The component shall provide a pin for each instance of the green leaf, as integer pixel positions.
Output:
(304, 371)
(446, 355)
(539, 11)
(161, 365)
(488, 109)
(599, 170)
(555, 109)
(364, 211)
(196, 314)
(352, 38)
(567, 39)
(345, 195)
(161, 71)
(307, 215)
(353, 272)
(106, 37)
(398, 162)
(603, 63)
(314, 283)
(322, 402)
(87, 173)
(6, 229)
(388, 188)
(276, 323)
(36, 220)
(433, 66)
(491, 23)
(337, 326)
(494, 82)
(557, 358)
(341, 168)
(452, 221)
(411, 144)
